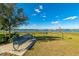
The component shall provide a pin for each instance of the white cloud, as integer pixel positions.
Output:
(57, 16)
(55, 22)
(44, 16)
(71, 18)
(40, 6)
(37, 10)
(34, 25)
(34, 14)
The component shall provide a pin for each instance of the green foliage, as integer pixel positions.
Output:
(4, 39)
(11, 17)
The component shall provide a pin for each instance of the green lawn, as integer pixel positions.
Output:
(69, 46)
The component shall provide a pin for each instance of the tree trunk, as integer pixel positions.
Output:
(9, 32)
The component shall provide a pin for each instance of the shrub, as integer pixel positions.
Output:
(5, 39)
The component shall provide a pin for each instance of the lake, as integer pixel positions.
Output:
(46, 30)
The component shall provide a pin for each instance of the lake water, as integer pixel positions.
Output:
(34, 30)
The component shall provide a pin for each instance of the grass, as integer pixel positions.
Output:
(7, 54)
(69, 46)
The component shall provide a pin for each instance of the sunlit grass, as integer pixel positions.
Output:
(67, 47)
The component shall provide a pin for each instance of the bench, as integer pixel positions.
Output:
(32, 44)
(17, 41)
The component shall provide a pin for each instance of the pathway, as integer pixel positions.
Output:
(8, 48)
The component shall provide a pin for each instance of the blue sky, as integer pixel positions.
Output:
(51, 15)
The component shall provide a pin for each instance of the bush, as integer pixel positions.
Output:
(3, 39)
(6, 39)
(11, 37)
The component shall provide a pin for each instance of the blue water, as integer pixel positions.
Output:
(34, 30)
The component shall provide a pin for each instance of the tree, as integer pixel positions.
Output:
(11, 17)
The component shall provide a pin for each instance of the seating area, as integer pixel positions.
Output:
(17, 41)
